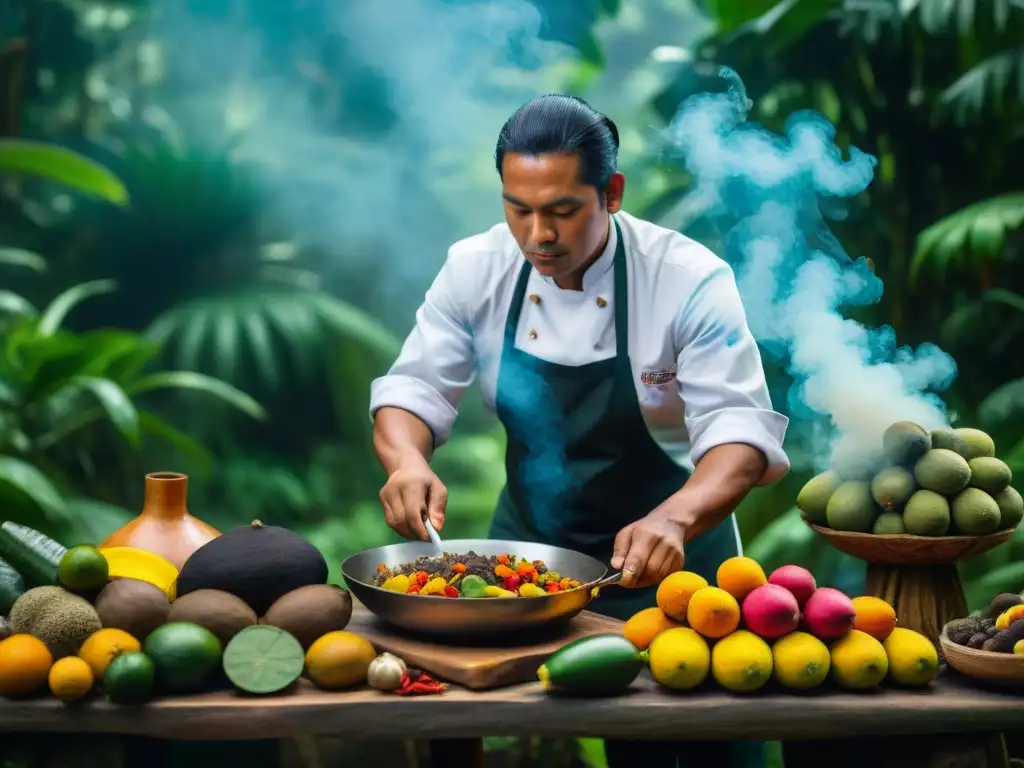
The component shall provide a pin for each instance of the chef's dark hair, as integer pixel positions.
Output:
(562, 124)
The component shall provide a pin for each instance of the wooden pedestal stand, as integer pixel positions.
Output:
(918, 577)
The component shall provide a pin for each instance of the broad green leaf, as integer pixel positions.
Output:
(153, 425)
(24, 479)
(1004, 403)
(16, 304)
(1004, 297)
(352, 323)
(58, 309)
(979, 229)
(116, 403)
(986, 83)
(18, 257)
(91, 521)
(62, 166)
(201, 382)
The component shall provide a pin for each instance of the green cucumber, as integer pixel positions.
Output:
(601, 665)
(12, 586)
(33, 554)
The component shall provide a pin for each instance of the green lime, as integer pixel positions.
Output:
(129, 678)
(83, 568)
(263, 659)
(185, 655)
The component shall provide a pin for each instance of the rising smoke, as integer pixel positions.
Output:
(795, 279)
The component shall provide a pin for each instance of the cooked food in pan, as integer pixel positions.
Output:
(473, 575)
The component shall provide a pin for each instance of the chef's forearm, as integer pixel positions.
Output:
(400, 437)
(720, 481)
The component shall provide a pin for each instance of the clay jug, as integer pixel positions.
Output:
(164, 527)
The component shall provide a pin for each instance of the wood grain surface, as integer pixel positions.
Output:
(478, 666)
(949, 706)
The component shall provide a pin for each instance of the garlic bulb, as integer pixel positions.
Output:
(385, 673)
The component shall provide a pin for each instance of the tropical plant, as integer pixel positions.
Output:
(58, 389)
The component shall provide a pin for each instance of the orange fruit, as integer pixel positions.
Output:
(339, 659)
(70, 678)
(643, 626)
(874, 616)
(713, 612)
(739, 576)
(100, 648)
(1009, 616)
(675, 591)
(25, 662)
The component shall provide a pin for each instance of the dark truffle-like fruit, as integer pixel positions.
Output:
(309, 613)
(257, 563)
(1005, 640)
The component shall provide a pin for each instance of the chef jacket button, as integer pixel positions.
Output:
(601, 302)
(533, 334)
(535, 298)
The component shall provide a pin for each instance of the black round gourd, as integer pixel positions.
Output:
(257, 563)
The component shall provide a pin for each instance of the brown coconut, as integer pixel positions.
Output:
(308, 613)
(220, 612)
(135, 606)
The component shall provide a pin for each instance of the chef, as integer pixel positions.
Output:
(616, 355)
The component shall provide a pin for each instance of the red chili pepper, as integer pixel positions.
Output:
(512, 582)
(451, 591)
(419, 683)
(421, 577)
(552, 586)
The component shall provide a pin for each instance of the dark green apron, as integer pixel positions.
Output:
(581, 465)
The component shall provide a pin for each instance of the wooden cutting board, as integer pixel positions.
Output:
(477, 667)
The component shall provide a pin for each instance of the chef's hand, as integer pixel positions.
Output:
(411, 492)
(648, 550)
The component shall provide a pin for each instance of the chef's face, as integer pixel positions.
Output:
(559, 222)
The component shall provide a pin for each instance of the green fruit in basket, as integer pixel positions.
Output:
(942, 471)
(927, 514)
(978, 443)
(263, 659)
(892, 487)
(852, 507)
(905, 442)
(947, 438)
(990, 474)
(888, 524)
(813, 497)
(975, 512)
(1011, 507)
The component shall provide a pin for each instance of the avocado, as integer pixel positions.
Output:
(888, 524)
(852, 508)
(990, 474)
(1011, 507)
(978, 443)
(961, 630)
(257, 563)
(927, 514)
(977, 640)
(600, 665)
(947, 438)
(813, 498)
(904, 442)
(942, 471)
(1005, 640)
(975, 512)
(60, 619)
(892, 487)
(1001, 602)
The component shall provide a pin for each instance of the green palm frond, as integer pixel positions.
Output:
(31, 158)
(979, 231)
(986, 83)
(936, 16)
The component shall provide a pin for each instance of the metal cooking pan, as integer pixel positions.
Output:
(474, 617)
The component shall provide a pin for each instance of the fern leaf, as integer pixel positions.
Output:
(984, 84)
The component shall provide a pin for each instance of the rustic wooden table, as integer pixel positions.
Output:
(849, 729)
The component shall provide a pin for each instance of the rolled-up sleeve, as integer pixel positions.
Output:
(721, 377)
(436, 364)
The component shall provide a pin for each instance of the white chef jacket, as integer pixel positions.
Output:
(696, 366)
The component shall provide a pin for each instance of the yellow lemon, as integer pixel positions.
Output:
(741, 662)
(800, 660)
(859, 661)
(70, 678)
(913, 658)
(679, 658)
